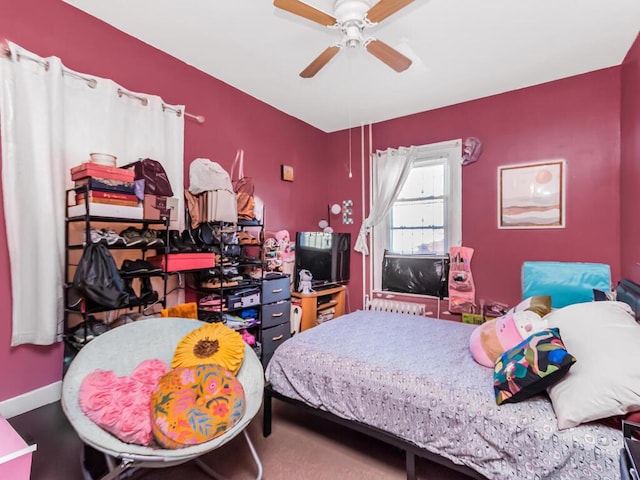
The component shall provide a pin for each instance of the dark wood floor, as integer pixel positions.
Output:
(301, 447)
(58, 447)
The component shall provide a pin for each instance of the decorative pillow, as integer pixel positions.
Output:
(539, 304)
(192, 405)
(211, 343)
(605, 381)
(530, 367)
(120, 405)
(489, 340)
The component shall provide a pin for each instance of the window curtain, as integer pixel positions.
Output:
(390, 170)
(51, 118)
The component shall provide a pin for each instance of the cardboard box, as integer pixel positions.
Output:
(157, 207)
(473, 318)
(96, 170)
(178, 262)
(106, 210)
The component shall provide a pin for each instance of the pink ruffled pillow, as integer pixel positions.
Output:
(122, 405)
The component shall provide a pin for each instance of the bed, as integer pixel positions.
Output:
(412, 382)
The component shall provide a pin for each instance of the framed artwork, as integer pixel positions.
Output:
(532, 195)
(286, 172)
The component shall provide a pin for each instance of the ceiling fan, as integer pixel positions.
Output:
(352, 18)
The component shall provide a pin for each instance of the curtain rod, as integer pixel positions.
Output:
(93, 83)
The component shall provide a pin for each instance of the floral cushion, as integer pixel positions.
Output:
(192, 405)
(531, 366)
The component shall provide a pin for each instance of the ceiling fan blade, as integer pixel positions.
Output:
(307, 11)
(385, 8)
(388, 55)
(320, 61)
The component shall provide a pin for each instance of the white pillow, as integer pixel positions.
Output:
(605, 380)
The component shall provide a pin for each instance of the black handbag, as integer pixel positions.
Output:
(97, 278)
(156, 181)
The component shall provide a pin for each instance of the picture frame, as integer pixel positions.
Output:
(532, 195)
(286, 173)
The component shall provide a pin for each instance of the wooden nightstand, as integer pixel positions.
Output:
(319, 302)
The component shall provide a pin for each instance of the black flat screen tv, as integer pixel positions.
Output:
(325, 255)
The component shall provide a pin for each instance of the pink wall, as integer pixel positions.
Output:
(233, 119)
(576, 119)
(630, 163)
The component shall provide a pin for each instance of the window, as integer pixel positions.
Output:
(426, 218)
(417, 222)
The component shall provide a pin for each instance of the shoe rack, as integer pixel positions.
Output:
(80, 314)
(231, 291)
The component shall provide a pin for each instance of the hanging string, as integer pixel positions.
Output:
(349, 92)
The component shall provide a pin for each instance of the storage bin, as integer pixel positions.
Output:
(276, 313)
(272, 338)
(176, 262)
(274, 290)
(15, 454)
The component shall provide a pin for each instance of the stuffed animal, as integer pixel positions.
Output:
(491, 339)
(305, 285)
(285, 246)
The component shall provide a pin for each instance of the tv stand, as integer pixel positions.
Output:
(320, 302)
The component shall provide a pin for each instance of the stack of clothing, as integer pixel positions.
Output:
(109, 190)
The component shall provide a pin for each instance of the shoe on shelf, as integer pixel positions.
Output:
(133, 237)
(188, 240)
(138, 267)
(147, 293)
(176, 244)
(112, 238)
(96, 235)
(152, 237)
(128, 287)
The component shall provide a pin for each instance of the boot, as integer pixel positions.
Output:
(176, 245)
(187, 238)
(147, 293)
(128, 287)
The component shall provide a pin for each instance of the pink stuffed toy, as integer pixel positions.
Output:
(491, 339)
(285, 246)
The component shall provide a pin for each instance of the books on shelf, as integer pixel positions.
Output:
(109, 201)
(113, 198)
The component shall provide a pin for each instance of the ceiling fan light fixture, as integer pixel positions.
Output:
(353, 34)
(352, 17)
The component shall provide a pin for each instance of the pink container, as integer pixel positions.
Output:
(15, 454)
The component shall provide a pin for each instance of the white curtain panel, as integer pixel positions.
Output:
(51, 119)
(390, 170)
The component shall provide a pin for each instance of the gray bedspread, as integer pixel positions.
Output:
(415, 378)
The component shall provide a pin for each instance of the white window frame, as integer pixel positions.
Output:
(452, 151)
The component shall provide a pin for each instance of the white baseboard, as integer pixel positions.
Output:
(31, 400)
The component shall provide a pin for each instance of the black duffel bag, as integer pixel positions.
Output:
(97, 278)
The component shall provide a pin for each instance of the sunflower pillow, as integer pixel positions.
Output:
(212, 343)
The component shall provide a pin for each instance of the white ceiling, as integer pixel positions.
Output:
(461, 50)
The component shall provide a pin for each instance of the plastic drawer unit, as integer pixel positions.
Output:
(276, 312)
